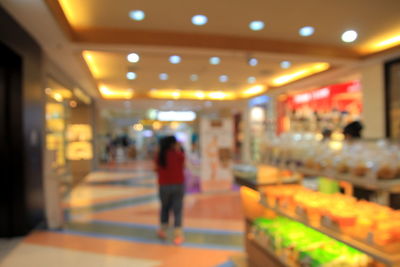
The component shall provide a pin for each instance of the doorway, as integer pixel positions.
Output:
(12, 213)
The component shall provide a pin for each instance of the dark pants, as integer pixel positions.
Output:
(171, 197)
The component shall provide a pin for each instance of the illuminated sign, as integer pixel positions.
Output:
(260, 100)
(80, 151)
(257, 114)
(315, 95)
(79, 132)
(176, 115)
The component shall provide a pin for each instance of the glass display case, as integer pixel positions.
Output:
(289, 224)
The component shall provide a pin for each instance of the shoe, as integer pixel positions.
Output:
(179, 240)
(178, 236)
(161, 234)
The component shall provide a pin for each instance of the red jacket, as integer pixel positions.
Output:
(172, 173)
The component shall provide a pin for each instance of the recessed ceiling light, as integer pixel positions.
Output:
(215, 60)
(256, 25)
(253, 61)
(133, 57)
(223, 78)
(137, 15)
(131, 75)
(285, 64)
(349, 36)
(199, 20)
(251, 79)
(175, 59)
(306, 31)
(194, 77)
(163, 76)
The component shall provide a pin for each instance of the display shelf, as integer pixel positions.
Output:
(253, 183)
(245, 171)
(248, 175)
(390, 257)
(267, 250)
(368, 182)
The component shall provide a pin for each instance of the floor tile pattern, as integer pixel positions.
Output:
(111, 219)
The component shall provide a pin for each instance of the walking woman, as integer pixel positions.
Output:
(170, 163)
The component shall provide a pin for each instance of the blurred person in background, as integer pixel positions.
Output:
(352, 132)
(170, 163)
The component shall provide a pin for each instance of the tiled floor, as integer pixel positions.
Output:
(111, 219)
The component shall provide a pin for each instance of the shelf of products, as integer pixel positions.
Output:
(255, 240)
(295, 244)
(263, 175)
(368, 227)
(367, 182)
(355, 162)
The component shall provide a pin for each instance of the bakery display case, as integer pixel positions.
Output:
(371, 165)
(288, 224)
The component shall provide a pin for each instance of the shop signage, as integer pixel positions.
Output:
(336, 96)
(176, 115)
(259, 100)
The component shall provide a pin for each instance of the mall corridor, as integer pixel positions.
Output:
(280, 120)
(111, 220)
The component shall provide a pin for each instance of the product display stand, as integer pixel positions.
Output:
(381, 188)
(247, 176)
(261, 255)
(258, 254)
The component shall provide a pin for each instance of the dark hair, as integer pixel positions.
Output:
(326, 133)
(353, 129)
(166, 144)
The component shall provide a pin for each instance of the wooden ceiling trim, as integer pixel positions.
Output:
(60, 17)
(383, 53)
(178, 39)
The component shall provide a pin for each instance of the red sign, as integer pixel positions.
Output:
(336, 96)
(344, 97)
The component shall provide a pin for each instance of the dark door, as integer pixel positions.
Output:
(12, 213)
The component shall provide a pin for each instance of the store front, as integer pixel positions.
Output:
(69, 133)
(68, 150)
(292, 215)
(327, 108)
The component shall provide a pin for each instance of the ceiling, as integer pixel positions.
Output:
(153, 62)
(282, 18)
(104, 29)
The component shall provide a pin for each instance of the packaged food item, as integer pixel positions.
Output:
(298, 245)
(252, 208)
(325, 158)
(386, 166)
(362, 163)
(360, 168)
(341, 163)
(386, 161)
